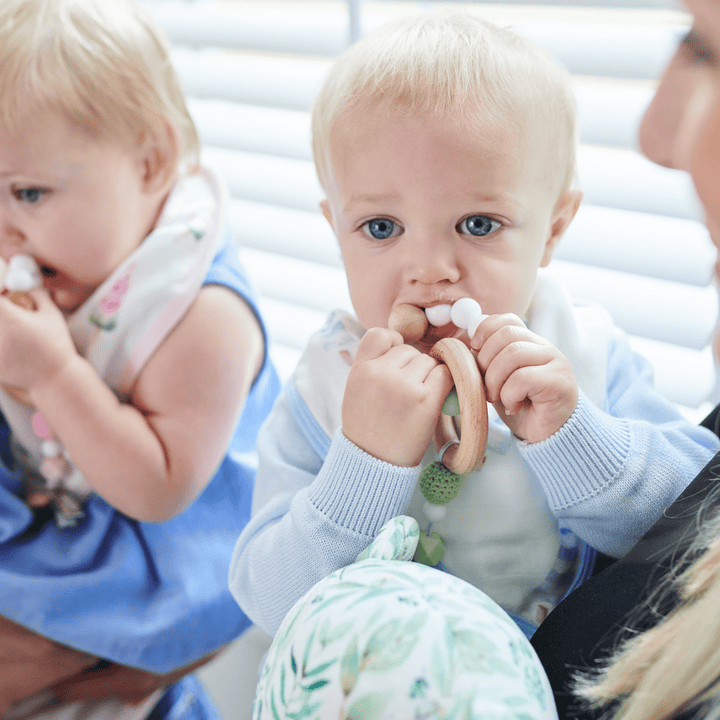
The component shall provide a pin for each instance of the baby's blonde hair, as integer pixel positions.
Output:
(674, 667)
(452, 64)
(103, 63)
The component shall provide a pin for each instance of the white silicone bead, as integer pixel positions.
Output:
(434, 513)
(22, 274)
(19, 281)
(472, 327)
(50, 449)
(438, 315)
(464, 311)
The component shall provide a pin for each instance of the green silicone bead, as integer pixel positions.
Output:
(451, 406)
(430, 550)
(438, 484)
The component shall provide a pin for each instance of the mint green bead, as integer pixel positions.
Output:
(451, 406)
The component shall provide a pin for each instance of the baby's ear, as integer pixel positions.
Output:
(564, 212)
(160, 156)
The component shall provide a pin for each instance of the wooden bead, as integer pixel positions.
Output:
(410, 321)
(23, 299)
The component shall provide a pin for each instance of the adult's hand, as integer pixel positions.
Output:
(30, 662)
(129, 684)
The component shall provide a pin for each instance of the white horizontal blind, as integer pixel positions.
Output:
(638, 246)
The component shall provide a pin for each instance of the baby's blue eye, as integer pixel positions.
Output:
(30, 195)
(381, 228)
(478, 225)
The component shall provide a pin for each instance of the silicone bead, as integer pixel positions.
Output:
(473, 324)
(430, 549)
(53, 469)
(463, 311)
(466, 313)
(434, 513)
(50, 448)
(438, 315)
(22, 274)
(41, 427)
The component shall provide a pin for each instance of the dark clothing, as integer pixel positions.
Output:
(586, 626)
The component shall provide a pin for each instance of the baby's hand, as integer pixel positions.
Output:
(528, 380)
(34, 344)
(393, 398)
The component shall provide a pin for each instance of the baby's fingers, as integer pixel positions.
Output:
(508, 323)
(513, 361)
(439, 382)
(376, 342)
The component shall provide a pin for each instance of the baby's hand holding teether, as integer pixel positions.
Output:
(393, 398)
(528, 380)
(466, 454)
(34, 338)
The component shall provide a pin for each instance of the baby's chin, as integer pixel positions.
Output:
(71, 298)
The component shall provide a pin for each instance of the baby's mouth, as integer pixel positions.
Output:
(48, 271)
(422, 327)
(419, 325)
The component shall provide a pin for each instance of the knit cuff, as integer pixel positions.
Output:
(359, 492)
(582, 458)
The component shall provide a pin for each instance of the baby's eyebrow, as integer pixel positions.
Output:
(369, 198)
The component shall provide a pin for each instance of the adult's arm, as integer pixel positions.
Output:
(129, 684)
(30, 662)
(33, 665)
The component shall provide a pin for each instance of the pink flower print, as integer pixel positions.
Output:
(110, 304)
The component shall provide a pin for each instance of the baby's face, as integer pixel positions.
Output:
(72, 201)
(425, 218)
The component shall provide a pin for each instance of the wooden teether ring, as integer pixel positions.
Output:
(469, 453)
(410, 321)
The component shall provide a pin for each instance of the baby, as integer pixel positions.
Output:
(446, 147)
(136, 385)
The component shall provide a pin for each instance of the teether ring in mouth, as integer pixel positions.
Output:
(412, 322)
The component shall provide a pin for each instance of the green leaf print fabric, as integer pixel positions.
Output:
(389, 639)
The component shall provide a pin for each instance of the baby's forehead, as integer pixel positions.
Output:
(507, 138)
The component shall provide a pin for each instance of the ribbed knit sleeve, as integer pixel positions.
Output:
(610, 473)
(311, 516)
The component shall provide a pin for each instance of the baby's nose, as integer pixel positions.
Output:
(12, 240)
(431, 261)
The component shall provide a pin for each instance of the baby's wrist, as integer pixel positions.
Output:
(59, 377)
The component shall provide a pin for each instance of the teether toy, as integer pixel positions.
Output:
(22, 276)
(440, 481)
(460, 455)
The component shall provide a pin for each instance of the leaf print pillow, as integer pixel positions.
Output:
(388, 639)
